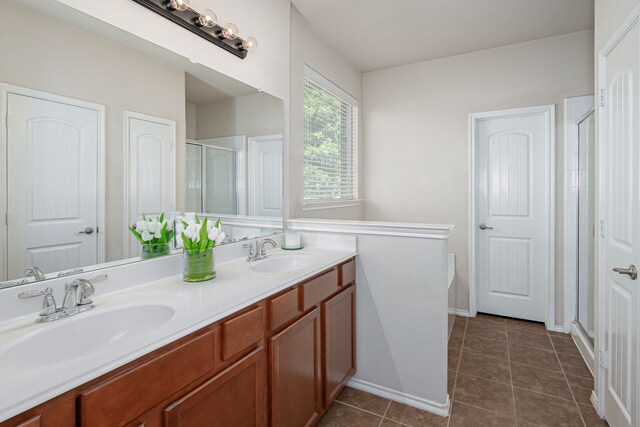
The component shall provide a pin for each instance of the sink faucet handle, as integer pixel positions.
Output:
(49, 303)
(251, 254)
(98, 279)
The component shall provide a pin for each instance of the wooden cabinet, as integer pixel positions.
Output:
(281, 361)
(235, 397)
(294, 373)
(338, 342)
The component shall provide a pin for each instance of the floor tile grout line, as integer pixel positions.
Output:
(513, 394)
(360, 409)
(385, 413)
(569, 385)
(485, 410)
(545, 394)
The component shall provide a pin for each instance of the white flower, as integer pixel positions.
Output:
(153, 226)
(190, 217)
(193, 232)
(220, 238)
(141, 226)
(179, 228)
(213, 233)
(169, 224)
(146, 236)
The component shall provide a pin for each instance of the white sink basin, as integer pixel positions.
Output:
(83, 335)
(283, 263)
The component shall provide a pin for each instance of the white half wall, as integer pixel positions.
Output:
(402, 275)
(416, 127)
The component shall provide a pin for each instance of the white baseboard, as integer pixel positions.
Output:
(397, 396)
(556, 328)
(596, 403)
(459, 312)
(584, 347)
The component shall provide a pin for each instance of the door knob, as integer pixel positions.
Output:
(631, 271)
(484, 226)
(88, 230)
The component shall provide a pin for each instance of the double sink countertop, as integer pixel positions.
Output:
(41, 361)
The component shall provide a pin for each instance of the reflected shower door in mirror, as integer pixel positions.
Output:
(585, 309)
(103, 127)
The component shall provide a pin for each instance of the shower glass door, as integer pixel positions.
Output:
(586, 226)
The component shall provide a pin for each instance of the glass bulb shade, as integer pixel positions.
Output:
(230, 31)
(207, 18)
(180, 5)
(249, 43)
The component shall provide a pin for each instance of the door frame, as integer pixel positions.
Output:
(5, 90)
(549, 112)
(597, 396)
(251, 144)
(126, 147)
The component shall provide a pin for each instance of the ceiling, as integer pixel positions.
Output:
(377, 34)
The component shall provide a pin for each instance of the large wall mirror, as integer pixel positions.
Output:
(103, 127)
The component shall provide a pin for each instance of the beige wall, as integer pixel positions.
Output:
(252, 115)
(308, 48)
(191, 120)
(54, 57)
(416, 128)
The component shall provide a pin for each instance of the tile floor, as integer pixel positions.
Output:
(502, 372)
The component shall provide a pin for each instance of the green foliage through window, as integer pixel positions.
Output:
(329, 145)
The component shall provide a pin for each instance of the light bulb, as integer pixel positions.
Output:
(249, 43)
(180, 5)
(230, 31)
(207, 18)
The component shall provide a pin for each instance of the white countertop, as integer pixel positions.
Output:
(196, 305)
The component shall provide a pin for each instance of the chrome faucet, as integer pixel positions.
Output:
(36, 273)
(77, 299)
(259, 251)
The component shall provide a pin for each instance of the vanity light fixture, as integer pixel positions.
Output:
(204, 24)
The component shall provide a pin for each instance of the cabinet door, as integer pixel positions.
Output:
(339, 341)
(296, 393)
(235, 397)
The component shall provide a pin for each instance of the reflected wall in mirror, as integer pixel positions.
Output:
(585, 285)
(103, 127)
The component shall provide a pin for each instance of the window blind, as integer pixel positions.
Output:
(330, 141)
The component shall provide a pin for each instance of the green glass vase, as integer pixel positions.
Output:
(152, 250)
(199, 265)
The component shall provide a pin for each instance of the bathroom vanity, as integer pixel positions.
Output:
(278, 361)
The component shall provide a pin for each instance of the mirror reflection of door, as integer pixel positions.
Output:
(52, 164)
(220, 181)
(151, 179)
(265, 176)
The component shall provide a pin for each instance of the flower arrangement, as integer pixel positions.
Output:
(199, 239)
(203, 235)
(155, 234)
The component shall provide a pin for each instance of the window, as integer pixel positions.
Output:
(330, 141)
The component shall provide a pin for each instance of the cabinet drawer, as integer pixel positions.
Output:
(348, 272)
(319, 288)
(283, 308)
(134, 392)
(242, 332)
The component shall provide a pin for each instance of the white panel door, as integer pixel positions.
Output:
(52, 191)
(151, 169)
(620, 201)
(512, 219)
(265, 176)
(220, 181)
